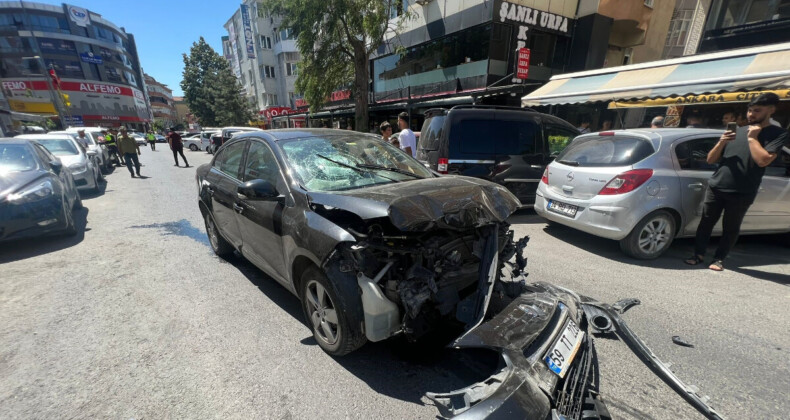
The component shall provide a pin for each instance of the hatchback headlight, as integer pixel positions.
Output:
(34, 193)
(78, 168)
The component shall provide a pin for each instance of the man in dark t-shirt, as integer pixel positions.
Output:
(742, 156)
(177, 146)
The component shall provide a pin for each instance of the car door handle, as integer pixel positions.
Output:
(697, 186)
(238, 208)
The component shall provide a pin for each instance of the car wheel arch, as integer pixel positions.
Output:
(299, 265)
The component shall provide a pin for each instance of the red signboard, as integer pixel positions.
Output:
(300, 103)
(340, 95)
(522, 66)
(276, 111)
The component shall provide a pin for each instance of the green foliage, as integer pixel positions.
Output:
(158, 126)
(335, 39)
(211, 90)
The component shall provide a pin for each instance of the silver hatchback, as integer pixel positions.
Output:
(646, 187)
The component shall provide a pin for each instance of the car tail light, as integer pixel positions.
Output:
(545, 178)
(626, 182)
(442, 164)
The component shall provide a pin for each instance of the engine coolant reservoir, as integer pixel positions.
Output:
(382, 317)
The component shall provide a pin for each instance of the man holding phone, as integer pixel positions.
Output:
(742, 155)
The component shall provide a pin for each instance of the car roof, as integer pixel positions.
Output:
(666, 133)
(14, 140)
(296, 133)
(45, 136)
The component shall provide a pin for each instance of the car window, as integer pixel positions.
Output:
(558, 138)
(229, 160)
(16, 158)
(606, 151)
(59, 147)
(431, 132)
(43, 153)
(692, 155)
(261, 163)
(501, 137)
(780, 166)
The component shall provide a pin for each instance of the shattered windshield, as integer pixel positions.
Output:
(342, 162)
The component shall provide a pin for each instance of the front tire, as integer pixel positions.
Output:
(68, 213)
(328, 315)
(219, 245)
(193, 148)
(651, 237)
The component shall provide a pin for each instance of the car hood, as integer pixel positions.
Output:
(14, 181)
(450, 202)
(69, 160)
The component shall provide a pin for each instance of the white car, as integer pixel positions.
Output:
(201, 141)
(82, 163)
(92, 133)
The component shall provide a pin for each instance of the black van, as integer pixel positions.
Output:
(507, 145)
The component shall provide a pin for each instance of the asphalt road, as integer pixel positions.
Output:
(135, 318)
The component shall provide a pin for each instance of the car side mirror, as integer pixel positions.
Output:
(56, 166)
(258, 189)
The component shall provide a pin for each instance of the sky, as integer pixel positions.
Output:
(165, 29)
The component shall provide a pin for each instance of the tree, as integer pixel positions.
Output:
(211, 90)
(335, 39)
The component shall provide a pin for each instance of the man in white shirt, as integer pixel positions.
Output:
(407, 139)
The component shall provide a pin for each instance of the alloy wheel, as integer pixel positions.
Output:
(655, 235)
(211, 229)
(322, 313)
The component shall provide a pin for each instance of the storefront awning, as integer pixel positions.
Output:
(749, 69)
(22, 116)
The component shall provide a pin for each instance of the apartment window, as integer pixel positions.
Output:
(287, 34)
(276, 35)
(679, 28)
(291, 69)
(269, 72)
(291, 99)
(266, 42)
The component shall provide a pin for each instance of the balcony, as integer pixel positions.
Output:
(631, 19)
(288, 45)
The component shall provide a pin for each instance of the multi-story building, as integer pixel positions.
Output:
(96, 62)
(184, 115)
(264, 58)
(745, 23)
(686, 27)
(161, 99)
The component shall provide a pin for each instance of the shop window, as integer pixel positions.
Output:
(11, 21)
(15, 44)
(113, 74)
(66, 68)
(46, 23)
(693, 154)
(56, 46)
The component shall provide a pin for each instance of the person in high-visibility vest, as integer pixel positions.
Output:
(112, 147)
(151, 139)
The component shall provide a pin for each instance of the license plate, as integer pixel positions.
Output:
(560, 357)
(562, 208)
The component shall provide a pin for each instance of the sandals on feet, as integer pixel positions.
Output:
(693, 260)
(717, 265)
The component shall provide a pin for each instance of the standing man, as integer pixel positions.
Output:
(177, 146)
(406, 137)
(82, 138)
(151, 139)
(128, 146)
(742, 158)
(112, 147)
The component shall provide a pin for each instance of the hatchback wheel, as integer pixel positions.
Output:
(327, 312)
(219, 245)
(651, 237)
(193, 148)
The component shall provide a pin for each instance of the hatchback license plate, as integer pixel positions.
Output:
(562, 208)
(560, 357)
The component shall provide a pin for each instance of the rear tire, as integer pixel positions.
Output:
(329, 315)
(219, 245)
(651, 237)
(193, 148)
(77, 201)
(71, 226)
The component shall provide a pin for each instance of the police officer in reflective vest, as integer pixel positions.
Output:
(112, 147)
(151, 139)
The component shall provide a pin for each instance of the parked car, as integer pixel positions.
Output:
(506, 145)
(37, 192)
(98, 151)
(160, 138)
(225, 134)
(81, 163)
(94, 139)
(201, 141)
(375, 245)
(139, 138)
(646, 187)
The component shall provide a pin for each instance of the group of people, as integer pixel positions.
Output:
(406, 140)
(126, 150)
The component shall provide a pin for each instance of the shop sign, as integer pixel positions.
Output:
(90, 58)
(784, 94)
(247, 27)
(340, 95)
(74, 120)
(300, 103)
(527, 17)
(79, 15)
(522, 64)
(276, 111)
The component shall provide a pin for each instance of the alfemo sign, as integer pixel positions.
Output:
(100, 88)
(538, 19)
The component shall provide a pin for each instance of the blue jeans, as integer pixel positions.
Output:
(129, 157)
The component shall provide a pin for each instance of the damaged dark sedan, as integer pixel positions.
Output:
(375, 245)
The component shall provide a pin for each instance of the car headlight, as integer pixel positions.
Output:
(34, 193)
(78, 168)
